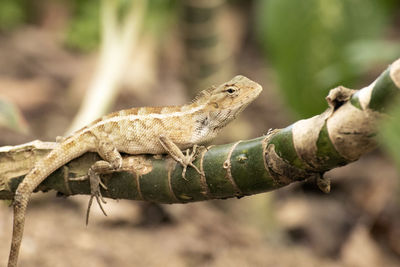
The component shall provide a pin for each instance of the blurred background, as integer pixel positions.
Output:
(65, 63)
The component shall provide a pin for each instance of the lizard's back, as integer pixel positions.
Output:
(136, 130)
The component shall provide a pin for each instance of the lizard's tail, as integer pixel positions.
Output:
(20, 204)
(61, 155)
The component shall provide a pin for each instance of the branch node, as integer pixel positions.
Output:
(338, 96)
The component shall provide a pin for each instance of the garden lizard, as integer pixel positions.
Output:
(151, 130)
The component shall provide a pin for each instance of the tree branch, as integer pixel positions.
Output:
(307, 148)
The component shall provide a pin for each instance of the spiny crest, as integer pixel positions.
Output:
(204, 95)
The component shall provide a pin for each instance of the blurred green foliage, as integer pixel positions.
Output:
(83, 32)
(161, 15)
(316, 45)
(12, 14)
(83, 28)
(389, 134)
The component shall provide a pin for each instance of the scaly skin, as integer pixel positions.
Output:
(152, 130)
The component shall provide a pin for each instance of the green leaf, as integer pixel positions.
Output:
(308, 43)
(11, 117)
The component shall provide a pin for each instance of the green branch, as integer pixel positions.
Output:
(307, 148)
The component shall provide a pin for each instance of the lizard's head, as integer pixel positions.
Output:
(228, 100)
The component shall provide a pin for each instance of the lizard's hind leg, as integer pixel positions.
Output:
(112, 161)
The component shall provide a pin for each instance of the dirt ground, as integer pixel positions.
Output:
(357, 224)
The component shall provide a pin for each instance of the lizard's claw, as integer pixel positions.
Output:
(98, 167)
(197, 169)
(99, 198)
(188, 161)
(185, 161)
(79, 178)
(184, 172)
(104, 187)
(95, 192)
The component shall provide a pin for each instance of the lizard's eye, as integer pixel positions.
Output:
(230, 90)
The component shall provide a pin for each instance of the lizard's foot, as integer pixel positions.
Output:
(95, 184)
(174, 151)
(112, 162)
(188, 159)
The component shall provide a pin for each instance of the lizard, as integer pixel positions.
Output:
(145, 130)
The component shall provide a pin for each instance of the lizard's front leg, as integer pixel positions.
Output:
(174, 151)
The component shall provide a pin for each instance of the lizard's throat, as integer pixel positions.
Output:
(223, 117)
